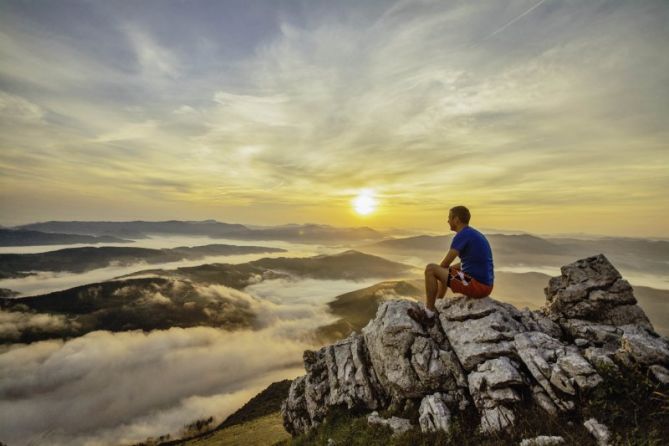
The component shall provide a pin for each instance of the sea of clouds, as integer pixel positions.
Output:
(111, 388)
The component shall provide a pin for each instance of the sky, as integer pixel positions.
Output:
(544, 116)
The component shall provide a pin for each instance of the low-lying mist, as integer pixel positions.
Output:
(105, 387)
(43, 282)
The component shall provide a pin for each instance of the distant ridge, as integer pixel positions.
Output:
(303, 233)
(26, 237)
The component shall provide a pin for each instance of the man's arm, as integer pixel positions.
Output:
(450, 256)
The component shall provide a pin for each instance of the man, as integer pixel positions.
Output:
(474, 277)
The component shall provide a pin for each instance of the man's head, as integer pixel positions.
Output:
(458, 217)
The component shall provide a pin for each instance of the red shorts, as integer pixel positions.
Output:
(463, 283)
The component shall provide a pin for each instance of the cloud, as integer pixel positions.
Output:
(524, 102)
(115, 382)
(13, 323)
(13, 107)
(155, 60)
(46, 282)
(105, 387)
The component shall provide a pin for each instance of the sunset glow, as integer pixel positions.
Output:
(365, 203)
(269, 113)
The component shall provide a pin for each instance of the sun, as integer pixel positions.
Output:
(365, 203)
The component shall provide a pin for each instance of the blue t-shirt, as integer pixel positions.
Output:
(475, 254)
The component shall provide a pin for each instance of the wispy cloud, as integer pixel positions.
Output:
(514, 108)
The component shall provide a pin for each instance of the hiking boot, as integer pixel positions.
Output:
(420, 317)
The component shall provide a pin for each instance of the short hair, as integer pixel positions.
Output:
(462, 213)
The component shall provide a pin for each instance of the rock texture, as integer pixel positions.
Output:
(543, 440)
(484, 353)
(599, 431)
(397, 424)
(434, 413)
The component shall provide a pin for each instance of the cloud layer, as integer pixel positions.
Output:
(104, 387)
(283, 111)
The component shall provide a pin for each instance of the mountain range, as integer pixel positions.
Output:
(302, 233)
(79, 260)
(174, 298)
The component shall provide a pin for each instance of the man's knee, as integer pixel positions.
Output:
(431, 268)
(434, 270)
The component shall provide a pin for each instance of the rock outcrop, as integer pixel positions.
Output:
(484, 353)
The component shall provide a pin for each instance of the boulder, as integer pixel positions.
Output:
(434, 413)
(599, 431)
(484, 352)
(592, 289)
(493, 388)
(296, 419)
(338, 374)
(398, 425)
(409, 362)
(478, 329)
(543, 440)
(644, 346)
(558, 368)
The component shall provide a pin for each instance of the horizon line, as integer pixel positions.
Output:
(422, 231)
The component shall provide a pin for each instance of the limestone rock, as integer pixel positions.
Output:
(537, 321)
(398, 425)
(660, 373)
(337, 374)
(599, 431)
(558, 368)
(408, 362)
(644, 346)
(543, 400)
(596, 334)
(484, 352)
(478, 329)
(434, 414)
(296, 419)
(316, 386)
(543, 440)
(492, 386)
(601, 357)
(496, 419)
(592, 289)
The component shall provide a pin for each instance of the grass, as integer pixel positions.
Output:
(265, 430)
(632, 405)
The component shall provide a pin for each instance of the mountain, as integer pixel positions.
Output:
(304, 233)
(258, 422)
(356, 308)
(349, 264)
(138, 229)
(485, 372)
(312, 233)
(503, 243)
(647, 257)
(171, 298)
(153, 303)
(83, 259)
(6, 292)
(25, 237)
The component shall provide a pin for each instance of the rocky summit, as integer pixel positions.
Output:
(483, 354)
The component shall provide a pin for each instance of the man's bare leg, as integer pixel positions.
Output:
(442, 290)
(435, 276)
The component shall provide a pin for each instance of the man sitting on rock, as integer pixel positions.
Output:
(474, 277)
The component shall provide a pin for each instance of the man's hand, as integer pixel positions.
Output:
(450, 256)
